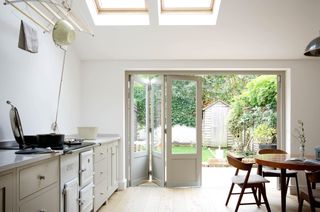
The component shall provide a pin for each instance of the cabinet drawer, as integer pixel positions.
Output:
(100, 152)
(100, 194)
(100, 171)
(35, 178)
(45, 202)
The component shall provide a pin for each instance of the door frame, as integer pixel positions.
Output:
(283, 115)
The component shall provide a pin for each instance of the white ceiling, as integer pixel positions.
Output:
(246, 29)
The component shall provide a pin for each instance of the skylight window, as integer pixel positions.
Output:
(168, 12)
(119, 12)
(121, 5)
(188, 12)
(187, 5)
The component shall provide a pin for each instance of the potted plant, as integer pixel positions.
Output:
(264, 135)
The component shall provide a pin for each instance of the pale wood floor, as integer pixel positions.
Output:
(210, 197)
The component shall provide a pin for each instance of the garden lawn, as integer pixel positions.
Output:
(206, 154)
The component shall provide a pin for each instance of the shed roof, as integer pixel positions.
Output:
(215, 102)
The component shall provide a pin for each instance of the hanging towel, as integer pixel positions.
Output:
(28, 38)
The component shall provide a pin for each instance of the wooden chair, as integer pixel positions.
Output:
(312, 196)
(253, 182)
(277, 172)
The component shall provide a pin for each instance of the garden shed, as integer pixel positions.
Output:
(215, 125)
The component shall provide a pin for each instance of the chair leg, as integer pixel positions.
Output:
(297, 185)
(263, 192)
(300, 205)
(287, 185)
(259, 195)
(230, 192)
(254, 191)
(240, 198)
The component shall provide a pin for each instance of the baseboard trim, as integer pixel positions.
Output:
(122, 184)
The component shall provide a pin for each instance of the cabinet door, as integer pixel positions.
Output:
(86, 198)
(86, 167)
(6, 193)
(114, 165)
(71, 194)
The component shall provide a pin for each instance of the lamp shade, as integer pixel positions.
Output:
(63, 33)
(313, 48)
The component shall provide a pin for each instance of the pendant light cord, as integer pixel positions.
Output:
(54, 125)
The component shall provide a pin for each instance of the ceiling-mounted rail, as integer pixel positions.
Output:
(45, 13)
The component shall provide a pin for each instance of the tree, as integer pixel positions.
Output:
(223, 87)
(139, 98)
(183, 103)
(257, 105)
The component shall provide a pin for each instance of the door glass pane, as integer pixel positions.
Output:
(156, 117)
(139, 117)
(183, 111)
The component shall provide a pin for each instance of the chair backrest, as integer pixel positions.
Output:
(235, 162)
(272, 151)
(312, 177)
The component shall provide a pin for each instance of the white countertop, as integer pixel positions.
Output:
(105, 139)
(10, 160)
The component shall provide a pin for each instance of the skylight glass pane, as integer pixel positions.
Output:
(187, 4)
(122, 4)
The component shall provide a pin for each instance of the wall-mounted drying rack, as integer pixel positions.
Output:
(45, 13)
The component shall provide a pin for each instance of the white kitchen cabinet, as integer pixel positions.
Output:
(113, 164)
(7, 197)
(105, 172)
(43, 201)
(38, 186)
(37, 177)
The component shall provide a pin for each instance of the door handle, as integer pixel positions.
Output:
(42, 177)
(82, 170)
(42, 210)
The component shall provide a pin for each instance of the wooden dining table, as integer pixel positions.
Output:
(284, 162)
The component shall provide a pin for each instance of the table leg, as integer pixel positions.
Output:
(259, 172)
(283, 189)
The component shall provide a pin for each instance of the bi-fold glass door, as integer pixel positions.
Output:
(139, 130)
(158, 144)
(183, 120)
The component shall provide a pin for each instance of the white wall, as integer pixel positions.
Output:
(31, 81)
(103, 90)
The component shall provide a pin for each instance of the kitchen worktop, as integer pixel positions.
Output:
(105, 138)
(10, 160)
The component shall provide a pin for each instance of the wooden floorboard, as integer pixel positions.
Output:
(210, 197)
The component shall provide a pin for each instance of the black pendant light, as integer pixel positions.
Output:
(313, 48)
